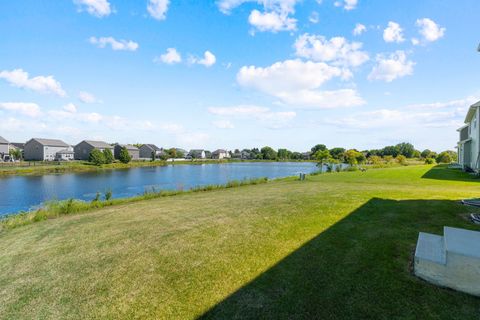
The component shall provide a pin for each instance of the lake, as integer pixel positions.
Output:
(19, 193)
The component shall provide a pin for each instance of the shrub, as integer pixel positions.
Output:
(108, 195)
(401, 159)
(375, 159)
(430, 161)
(124, 156)
(388, 159)
(97, 157)
(97, 197)
(444, 157)
(107, 153)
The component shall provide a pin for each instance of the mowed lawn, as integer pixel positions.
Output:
(337, 246)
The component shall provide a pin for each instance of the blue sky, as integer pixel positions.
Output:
(239, 73)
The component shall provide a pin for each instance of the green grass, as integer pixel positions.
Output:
(336, 246)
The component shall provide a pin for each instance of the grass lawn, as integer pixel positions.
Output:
(336, 246)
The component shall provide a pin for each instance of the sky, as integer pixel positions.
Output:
(239, 73)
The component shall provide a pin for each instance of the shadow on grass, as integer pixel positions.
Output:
(359, 268)
(441, 172)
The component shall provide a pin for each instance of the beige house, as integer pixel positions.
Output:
(469, 140)
(220, 154)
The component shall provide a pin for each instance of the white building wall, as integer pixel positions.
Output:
(4, 148)
(50, 153)
(474, 134)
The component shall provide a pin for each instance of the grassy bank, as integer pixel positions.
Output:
(336, 246)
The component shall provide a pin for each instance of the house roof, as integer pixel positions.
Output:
(128, 146)
(3, 140)
(18, 145)
(50, 142)
(462, 127)
(197, 151)
(471, 111)
(152, 147)
(219, 151)
(65, 151)
(98, 144)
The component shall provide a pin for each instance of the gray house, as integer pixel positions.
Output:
(132, 151)
(196, 154)
(469, 139)
(146, 151)
(4, 147)
(37, 149)
(220, 154)
(83, 149)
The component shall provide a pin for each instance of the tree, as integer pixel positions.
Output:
(337, 153)
(172, 153)
(322, 155)
(444, 157)
(390, 151)
(152, 156)
(284, 154)
(388, 159)
(351, 156)
(96, 157)
(16, 154)
(416, 154)
(375, 159)
(406, 149)
(401, 159)
(426, 153)
(268, 153)
(107, 153)
(297, 156)
(361, 157)
(124, 156)
(320, 147)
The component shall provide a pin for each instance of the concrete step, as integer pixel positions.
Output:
(462, 241)
(431, 247)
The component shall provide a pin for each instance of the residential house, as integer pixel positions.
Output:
(133, 151)
(38, 149)
(469, 140)
(65, 155)
(83, 149)
(146, 151)
(4, 148)
(220, 154)
(245, 154)
(196, 154)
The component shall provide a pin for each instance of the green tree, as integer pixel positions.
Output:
(444, 157)
(172, 153)
(351, 156)
(361, 158)
(107, 153)
(337, 153)
(426, 153)
(320, 147)
(322, 155)
(96, 157)
(406, 149)
(268, 153)
(15, 154)
(401, 159)
(124, 156)
(153, 156)
(375, 159)
(390, 151)
(284, 154)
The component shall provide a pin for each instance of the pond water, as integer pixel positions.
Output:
(19, 193)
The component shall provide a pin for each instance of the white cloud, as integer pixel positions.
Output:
(391, 67)
(26, 108)
(274, 17)
(337, 50)
(415, 41)
(393, 33)
(70, 108)
(158, 8)
(346, 4)
(172, 56)
(314, 18)
(208, 59)
(359, 29)
(87, 97)
(297, 83)
(430, 30)
(268, 118)
(461, 105)
(43, 84)
(223, 124)
(126, 45)
(97, 8)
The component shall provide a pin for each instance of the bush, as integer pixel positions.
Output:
(375, 159)
(96, 157)
(430, 161)
(124, 156)
(388, 159)
(107, 153)
(108, 195)
(401, 159)
(444, 157)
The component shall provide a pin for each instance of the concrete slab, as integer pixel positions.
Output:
(462, 241)
(430, 247)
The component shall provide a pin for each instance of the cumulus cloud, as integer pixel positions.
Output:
(429, 30)
(87, 97)
(97, 8)
(270, 119)
(208, 59)
(337, 50)
(172, 56)
(43, 84)
(391, 67)
(393, 33)
(70, 108)
(359, 29)
(276, 14)
(124, 45)
(28, 109)
(297, 83)
(158, 8)
(223, 124)
(346, 4)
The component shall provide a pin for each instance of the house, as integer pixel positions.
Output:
(38, 149)
(4, 147)
(469, 140)
(245, 154)
(83, 149)
(133, 151)
(196, 154)
(65, 155)
(220, 154)
(146, 151)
